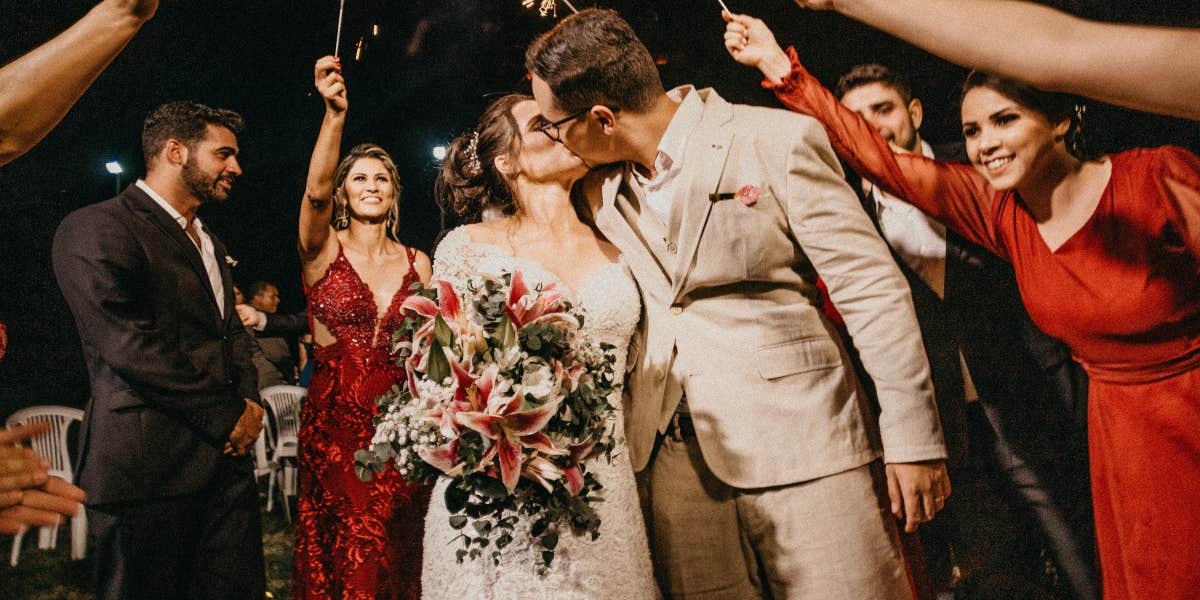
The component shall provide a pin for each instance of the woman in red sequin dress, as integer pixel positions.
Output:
(1107, 257)
(353, 539)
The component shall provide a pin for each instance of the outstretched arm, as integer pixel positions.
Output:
(952, 193)
(1156, 69)
(317, 237)
(38, 89)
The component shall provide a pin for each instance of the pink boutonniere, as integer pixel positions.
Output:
(748, 194)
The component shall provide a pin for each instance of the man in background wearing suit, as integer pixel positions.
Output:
(172, 505)
(276, 364)
(761, 464)
(1017, 458)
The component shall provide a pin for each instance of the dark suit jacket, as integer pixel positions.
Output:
(168, 373)
(1012, 363)
(286, 325)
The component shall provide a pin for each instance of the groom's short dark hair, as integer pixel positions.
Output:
(595, 57)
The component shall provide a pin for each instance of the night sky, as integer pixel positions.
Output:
(423, 80)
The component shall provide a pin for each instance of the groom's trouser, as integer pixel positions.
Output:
(206, 545)
(823, 539)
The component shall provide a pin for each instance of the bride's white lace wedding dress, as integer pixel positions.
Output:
(617, 564)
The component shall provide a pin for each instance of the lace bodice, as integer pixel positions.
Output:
(609, 296)
(616, 565)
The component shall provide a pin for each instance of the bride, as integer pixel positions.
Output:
(510, 163)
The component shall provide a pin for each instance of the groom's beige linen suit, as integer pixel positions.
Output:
(731, 322)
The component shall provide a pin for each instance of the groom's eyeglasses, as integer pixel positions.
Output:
(551, 129)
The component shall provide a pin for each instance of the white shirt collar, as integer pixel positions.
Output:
(926, 149)
(179, 218)
(674, 141)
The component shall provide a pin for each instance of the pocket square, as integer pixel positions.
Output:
(748, 195)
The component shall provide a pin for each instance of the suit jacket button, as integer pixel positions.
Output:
(677, 310)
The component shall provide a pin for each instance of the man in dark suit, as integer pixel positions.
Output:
(172, 505)
(275, 363)
(1010, 398)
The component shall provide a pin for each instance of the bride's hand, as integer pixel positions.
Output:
(330, 84)
(751, 43)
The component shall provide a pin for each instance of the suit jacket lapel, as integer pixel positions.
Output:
(617, 218)
(221, 253)
(155, 214)
(705, 158)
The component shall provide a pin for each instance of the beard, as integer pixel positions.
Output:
(204, 185)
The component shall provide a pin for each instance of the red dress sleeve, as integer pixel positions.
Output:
(1179, 182)
(952, 193)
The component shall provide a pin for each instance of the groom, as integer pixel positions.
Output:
(758, 454)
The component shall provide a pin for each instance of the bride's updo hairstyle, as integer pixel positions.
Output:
(469, 181)
(341, 208)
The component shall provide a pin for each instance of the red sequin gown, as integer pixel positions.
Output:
(354, 540)
(1124, 293)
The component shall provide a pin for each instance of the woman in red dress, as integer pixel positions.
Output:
(353, 539)
(1107, 257)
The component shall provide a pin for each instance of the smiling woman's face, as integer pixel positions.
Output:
(370, 191)
(1007, 142)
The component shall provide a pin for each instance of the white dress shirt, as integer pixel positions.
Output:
(668, 163)
(920, 241)
(207, 253)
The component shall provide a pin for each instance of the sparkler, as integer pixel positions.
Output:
(723, 7)
(337, 43)
(548, 7)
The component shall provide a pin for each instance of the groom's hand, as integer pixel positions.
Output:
(917, 491)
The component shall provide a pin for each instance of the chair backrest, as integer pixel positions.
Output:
(262, 461)
(53, 443)
(284, 404)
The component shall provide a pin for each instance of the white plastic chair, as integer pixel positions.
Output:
(53, 445)
(263, 462)
(283, 402)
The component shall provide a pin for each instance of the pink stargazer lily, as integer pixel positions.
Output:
(447, 306)
(573, 474)
(525, 306)
(510, 429)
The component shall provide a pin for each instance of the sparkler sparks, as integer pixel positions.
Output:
(548, 7)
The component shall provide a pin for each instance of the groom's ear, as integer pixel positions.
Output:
(606, 117)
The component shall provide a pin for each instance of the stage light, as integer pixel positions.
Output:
(114, 167)
(439, 153)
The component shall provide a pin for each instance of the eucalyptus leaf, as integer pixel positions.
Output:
(456, 499)
(539, 527)
(492, 488)
(550, 540)
(439, 365)
(442, 332)
(364, 473)
(458, 522)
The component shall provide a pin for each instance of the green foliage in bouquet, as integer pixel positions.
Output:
(507, 398)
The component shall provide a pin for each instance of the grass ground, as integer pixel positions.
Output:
(52, 575)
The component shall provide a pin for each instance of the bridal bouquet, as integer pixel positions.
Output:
(503, 396)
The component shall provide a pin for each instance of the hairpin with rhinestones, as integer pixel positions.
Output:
(473, 163)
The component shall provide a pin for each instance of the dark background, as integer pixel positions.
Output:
(422, 81)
